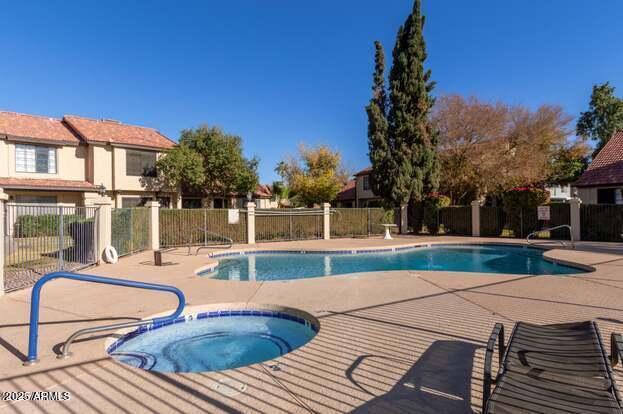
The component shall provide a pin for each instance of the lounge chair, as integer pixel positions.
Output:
(560, 368)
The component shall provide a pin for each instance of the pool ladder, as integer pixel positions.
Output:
(33, 333)
(534, 233)
(227, 242)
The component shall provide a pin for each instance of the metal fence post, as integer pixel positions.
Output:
(3, 239)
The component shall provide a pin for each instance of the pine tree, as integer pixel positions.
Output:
(401, 139)
(415, 142)
(378, 144)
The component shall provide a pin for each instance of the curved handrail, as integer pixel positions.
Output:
(229, 241)
(554, 228)
(33, 333)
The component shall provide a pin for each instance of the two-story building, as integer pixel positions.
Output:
(49, 161)
(358, 192)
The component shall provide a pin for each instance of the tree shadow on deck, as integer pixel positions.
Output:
(439, 382)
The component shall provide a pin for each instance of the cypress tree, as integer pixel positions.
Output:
(378, 144)
(413, 141)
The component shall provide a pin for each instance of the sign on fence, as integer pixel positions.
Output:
(543, 213)
(233, 216)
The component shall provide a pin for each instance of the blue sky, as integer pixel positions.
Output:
(281, 72)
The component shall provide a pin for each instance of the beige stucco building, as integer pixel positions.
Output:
(50, 161)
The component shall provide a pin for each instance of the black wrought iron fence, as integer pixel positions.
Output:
(130, 230)
(39, 239)
(456, 220)
(601, 222)
(288, 224)
(181, 227)
(359, 222)
(520, 222)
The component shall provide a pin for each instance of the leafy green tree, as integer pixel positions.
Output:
(568, 163)
(181, 166)
(603, 118)
(316, 176)
(223, 170)
(407, 153)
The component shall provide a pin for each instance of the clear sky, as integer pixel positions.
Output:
(281, 72)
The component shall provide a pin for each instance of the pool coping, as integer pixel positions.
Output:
(210, 267)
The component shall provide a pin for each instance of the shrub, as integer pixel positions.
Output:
(44, 224)
(520, 199)
(431, 206)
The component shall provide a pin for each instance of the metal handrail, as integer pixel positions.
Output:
(33, 333)
(554, 228)
(229, 241)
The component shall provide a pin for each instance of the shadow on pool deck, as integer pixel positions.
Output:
(439, 382)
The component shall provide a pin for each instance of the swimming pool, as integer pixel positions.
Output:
(502, 259)
(214, 340)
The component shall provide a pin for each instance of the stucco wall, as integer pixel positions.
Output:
(588, 195)
(100, 165)
(71, 163)
(66, 197)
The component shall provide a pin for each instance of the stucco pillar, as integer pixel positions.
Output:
(3, 200)
(404, 218)
(326, 221)
(476, 218)
(574, 210)
(250, 223)
(154, 224)
(104, 227)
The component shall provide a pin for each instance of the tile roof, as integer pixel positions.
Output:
(45, 184)
(607, 166)
(36, 128)
(263, 191)
(349, 192)
(365, 171)
(115, 132)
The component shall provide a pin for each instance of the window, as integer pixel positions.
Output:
(366, 183)
(606, 196)
(35, 159)
(191, 203)
(140, 163)
(129, 202)
(34, 199)
(165, 202)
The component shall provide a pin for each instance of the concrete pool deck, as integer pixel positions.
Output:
(400, 341)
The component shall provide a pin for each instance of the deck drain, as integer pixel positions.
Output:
(229, 387)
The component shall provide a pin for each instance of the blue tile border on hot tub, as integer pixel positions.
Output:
(211, 314)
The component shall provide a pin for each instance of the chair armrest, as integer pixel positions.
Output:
(496, 335)
(616, 349)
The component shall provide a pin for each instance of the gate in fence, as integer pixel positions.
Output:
(130, 230)
(39, 239)
(288, 224)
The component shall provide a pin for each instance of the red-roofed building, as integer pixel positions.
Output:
(602, 182)
(357, 192)
(49, 160)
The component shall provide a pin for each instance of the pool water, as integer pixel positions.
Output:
(214, 343)
(458, 258)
